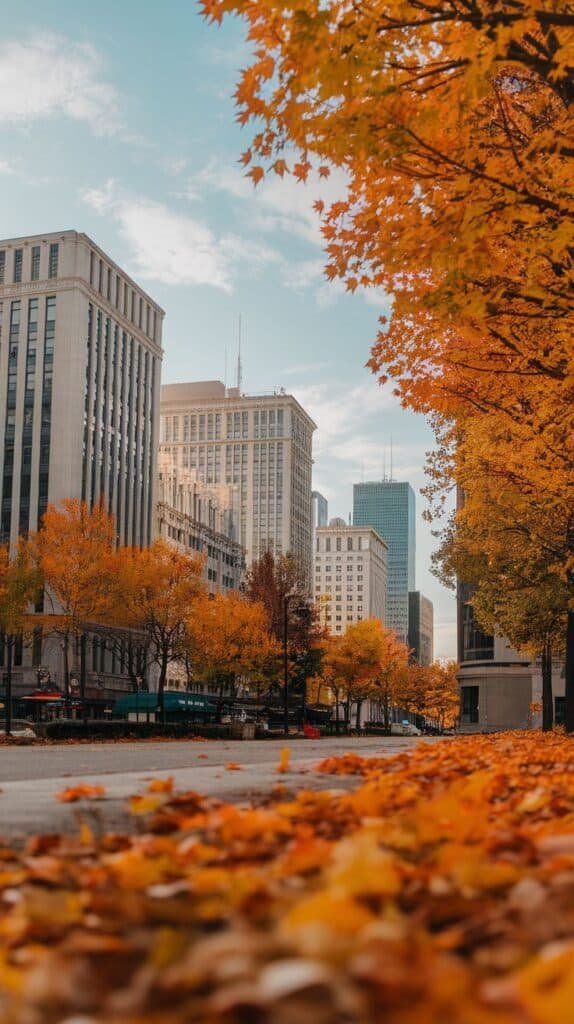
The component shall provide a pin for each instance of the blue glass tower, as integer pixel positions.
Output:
(389, 507)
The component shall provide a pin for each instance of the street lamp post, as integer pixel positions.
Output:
(285, 665)
(83, 679)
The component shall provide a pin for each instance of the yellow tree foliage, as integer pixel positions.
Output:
(450, 124)
(20, 586)
(228, 635)
(74, 550)
(156, 589)
(74, 547)
(367, 661)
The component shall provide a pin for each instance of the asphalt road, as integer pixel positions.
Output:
(30, 777)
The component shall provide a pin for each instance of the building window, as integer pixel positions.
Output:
(2, 266)
(17, 265)
(46, 407)
(30, 380)
(10, 429)
(349, 543)
(53, 261)
(328, 544)
(469, 705)
(35, 263)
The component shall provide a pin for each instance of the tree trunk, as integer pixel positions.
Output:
(337, 705)
(358, 715)
(347, 714)
(547, 699)
(569, 675)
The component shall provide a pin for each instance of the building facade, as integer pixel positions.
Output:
(262, 445)
(320, 509)
(80, 361)
(421, 628)
(388, 506)
(350, 576)
(496, 683)
(202, 520)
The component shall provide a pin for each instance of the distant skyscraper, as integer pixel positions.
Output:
(320, 510)
(262, 444)
(421, 628)
(389, 507)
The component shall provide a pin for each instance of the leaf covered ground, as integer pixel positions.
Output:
(439, 891)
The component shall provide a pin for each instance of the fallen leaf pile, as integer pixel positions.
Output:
(439, 891)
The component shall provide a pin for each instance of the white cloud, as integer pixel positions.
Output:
(173, 248)
(5, 167)
(277, 203)
(47, 76)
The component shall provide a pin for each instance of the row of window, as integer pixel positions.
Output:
(31, 272)
(208, 426)
(118, 426)
(120, 293)
(31, 311)
(349, 546)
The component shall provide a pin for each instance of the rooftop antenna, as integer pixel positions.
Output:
(384, 463)
(239, 372)
(225, 372)
(391, 476)
(362, 471)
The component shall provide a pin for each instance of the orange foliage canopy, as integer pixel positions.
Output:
(440, 889)
(449, 123)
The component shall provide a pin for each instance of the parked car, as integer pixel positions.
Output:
(19, 728)
(404, 729)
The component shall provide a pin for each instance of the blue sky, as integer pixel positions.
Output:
(117, 119)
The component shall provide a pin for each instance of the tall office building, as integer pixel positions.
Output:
(80, 368)
(260, 443)
(389, 507)
(421, 628)
(320, 510)
(80, 360)
(350, 575)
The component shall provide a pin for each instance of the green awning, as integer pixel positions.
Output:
(185, 703)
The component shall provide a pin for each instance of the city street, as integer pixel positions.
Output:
(30, 777)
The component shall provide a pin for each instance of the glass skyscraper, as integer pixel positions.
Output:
(389, 507)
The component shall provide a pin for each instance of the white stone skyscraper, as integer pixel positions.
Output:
(80, 364)
(261, 444)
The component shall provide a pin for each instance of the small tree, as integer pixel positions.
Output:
(75, 554)
(227, 636)
(354, 664)
(20, 585)
(156, 590)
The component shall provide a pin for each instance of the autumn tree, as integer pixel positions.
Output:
(511, 541)
(449, 126)
(157, 588)
(74, 550)
(20, 586)
(366, 661)
(279, 585)
(388, 685)
(442, 696)
(228, 636)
